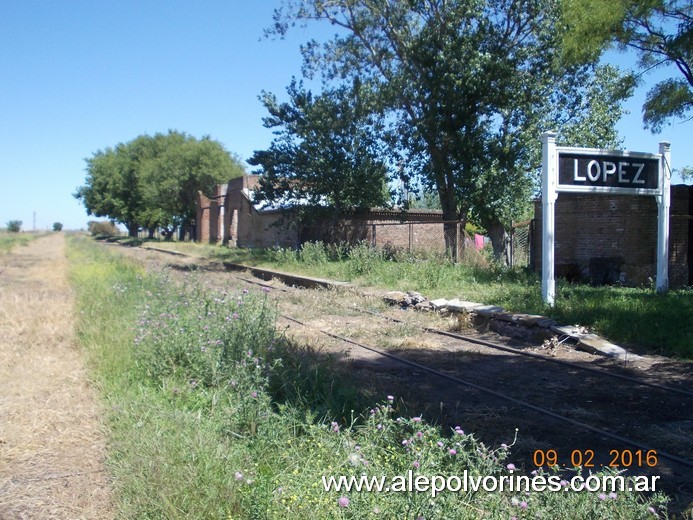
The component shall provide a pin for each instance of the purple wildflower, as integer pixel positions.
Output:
(343, 502)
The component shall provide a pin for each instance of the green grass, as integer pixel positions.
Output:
(624, 315)
(9, 241)
(212, 415)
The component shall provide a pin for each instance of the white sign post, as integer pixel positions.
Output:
(663, 204)
(549, 165)
(592, 170)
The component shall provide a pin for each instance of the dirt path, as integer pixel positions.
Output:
(51, 443)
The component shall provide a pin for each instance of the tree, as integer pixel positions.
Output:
(660, 31)
(57, 226)
(325, 154)
(152, 181)
(461, 87)
(584, 106)
(14, 226)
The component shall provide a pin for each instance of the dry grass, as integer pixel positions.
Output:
(51, 443)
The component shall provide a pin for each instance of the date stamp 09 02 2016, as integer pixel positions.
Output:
(624, 458)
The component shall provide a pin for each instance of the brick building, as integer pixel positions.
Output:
(604, 238)
(229, 217)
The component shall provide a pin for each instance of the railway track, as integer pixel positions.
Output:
(617, 425)
(679, 392)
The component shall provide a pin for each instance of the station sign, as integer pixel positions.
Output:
(615, 171)
(594, 170)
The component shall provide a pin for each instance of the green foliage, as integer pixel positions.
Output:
(660, 31)
(461, 91)
(669, 99)
(325, 153)
(363, 259)
(232, 331)
(313, 254)
(182, 447)
(9, 240)
(152, 181)
(102, 228)
(635, 316)
(14, 226)
(57, 226)
(686, 173)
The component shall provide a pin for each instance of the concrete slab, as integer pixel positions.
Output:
(594, 344)
(288, 278)
(457, 305)
(488, 311)
(598, 345)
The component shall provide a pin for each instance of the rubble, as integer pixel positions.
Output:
(515, 325)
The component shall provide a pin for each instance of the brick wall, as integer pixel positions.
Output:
(418, 230)
(228, 217)
(606, 226)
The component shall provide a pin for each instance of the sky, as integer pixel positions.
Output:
(78, 76)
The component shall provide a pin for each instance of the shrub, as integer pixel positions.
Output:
(213, 339)
(14, 226)
(102, 227)
(57, 226)
(314, 254)
(363, 259)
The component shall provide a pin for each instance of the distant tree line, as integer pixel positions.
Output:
(151, 182)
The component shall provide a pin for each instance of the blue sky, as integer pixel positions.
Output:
(79, 76)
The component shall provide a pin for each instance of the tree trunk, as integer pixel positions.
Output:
(150, 232)
(500, 240)
(451, 217)
(133, 228)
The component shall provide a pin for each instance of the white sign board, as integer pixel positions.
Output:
(592, 170)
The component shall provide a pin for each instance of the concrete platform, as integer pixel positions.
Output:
(292, 279)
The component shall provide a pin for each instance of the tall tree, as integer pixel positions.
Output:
(459, 84)
(583, 106)
(325, 153)
(660, 31)
(151, 181)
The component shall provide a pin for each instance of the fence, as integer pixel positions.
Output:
(442, 238)
(521, 243)
(188, 235)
